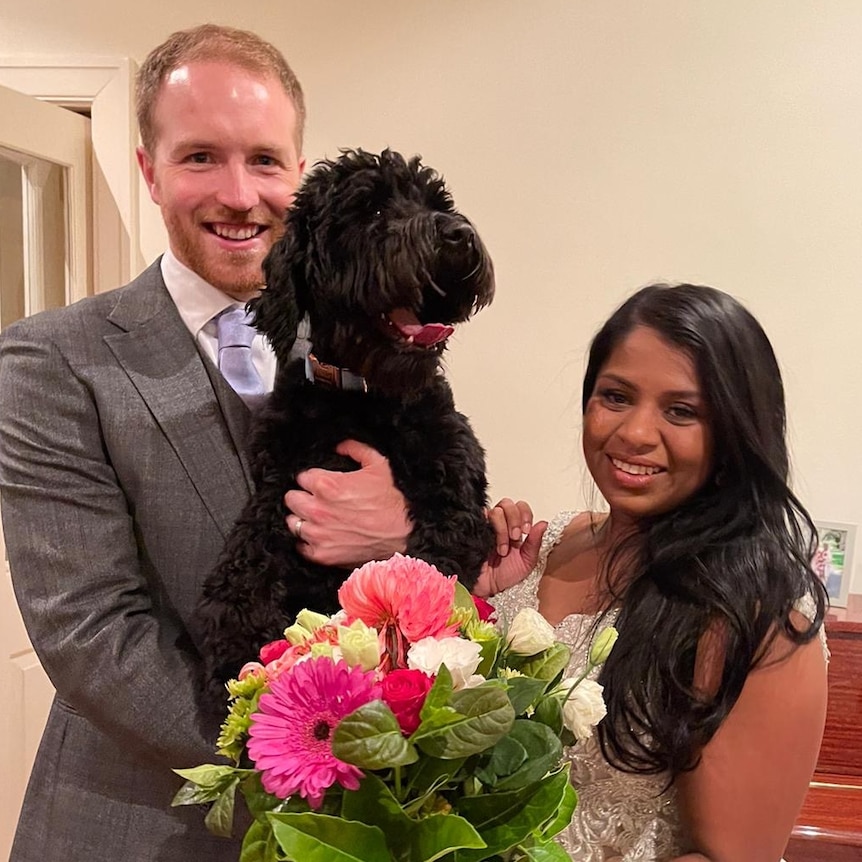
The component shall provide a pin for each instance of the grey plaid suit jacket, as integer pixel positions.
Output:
(121, 472)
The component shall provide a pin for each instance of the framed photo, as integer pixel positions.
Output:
(833, 561)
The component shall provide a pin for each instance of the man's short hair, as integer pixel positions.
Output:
(211, 43)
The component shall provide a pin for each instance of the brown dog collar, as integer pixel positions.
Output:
(332, 376)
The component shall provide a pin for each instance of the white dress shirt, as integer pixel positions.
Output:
(198, 302)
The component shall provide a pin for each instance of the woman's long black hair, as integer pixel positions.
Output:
(733, 559)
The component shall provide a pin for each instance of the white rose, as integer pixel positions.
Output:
(460, 656)
(530, 633)
(584, 708)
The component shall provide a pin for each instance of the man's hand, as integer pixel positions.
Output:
(518, 541)
(347, 519)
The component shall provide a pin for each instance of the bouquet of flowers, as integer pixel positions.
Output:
(407, 727)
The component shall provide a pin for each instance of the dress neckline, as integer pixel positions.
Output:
(552, 538)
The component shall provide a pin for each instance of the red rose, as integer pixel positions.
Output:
(404, 692)
(273, 650)
(485, 609)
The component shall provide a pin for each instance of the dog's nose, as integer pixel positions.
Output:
(457, 233)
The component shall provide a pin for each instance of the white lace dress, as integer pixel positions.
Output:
(620, 816)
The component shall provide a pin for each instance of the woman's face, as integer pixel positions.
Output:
(647, 436)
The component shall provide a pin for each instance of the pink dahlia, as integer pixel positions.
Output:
(403, 598)
(290, 739)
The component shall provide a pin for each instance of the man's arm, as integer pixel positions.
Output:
(104, 634)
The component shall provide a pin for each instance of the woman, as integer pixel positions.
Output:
(716, 688)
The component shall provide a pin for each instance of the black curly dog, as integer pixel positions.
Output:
(382, 264)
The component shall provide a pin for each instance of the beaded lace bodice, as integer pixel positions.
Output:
(620, 816)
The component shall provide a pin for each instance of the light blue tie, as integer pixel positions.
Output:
(235, 335)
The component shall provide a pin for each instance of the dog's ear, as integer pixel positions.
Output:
(281, 304)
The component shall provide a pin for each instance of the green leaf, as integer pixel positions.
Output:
(370, 738)
(259, 844)
(257, 800)
(490, 651)
(525, 756)
(206, 783)
(563, 815)
(219, 819)
(504, 759)
(483, 715)
(542, 752)
(423, 840)
(438, 695)
(524, 691)
(193, 794)
(548, 664)
(428, 774)
(549, 711)
(211, 775)
(464, 600)
(505, 820)
(321, 838)
(546, 851)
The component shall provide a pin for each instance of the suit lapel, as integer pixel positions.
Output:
(202, 424)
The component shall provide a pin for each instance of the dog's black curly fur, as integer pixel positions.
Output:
(371, 241)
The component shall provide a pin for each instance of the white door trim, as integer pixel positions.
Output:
(105, 86)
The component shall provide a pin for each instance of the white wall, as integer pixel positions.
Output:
(598, 146)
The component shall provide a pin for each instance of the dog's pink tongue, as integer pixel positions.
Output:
(425, 335)
(430, 333)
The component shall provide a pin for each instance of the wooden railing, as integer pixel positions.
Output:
(829, 827)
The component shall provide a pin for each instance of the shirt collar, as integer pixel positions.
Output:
(197, 301)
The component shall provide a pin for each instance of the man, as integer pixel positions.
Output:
(122, 466)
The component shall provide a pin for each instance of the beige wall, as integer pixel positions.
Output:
(598, 146)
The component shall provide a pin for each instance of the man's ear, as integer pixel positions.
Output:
(145, 163)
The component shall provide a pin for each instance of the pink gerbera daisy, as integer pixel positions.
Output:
(403, 598)
(290, 739)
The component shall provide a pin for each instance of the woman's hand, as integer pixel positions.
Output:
(518, 541)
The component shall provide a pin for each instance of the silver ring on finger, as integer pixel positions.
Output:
(297, 529)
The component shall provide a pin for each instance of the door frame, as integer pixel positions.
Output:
(104, 86)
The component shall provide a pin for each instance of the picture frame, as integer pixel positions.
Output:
(833, 560)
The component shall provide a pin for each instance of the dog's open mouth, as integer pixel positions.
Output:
(408, 327)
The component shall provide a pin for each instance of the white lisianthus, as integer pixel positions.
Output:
(584, 708)
(474, 681)
(460, 656)
(530, 633)
(359, 645)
